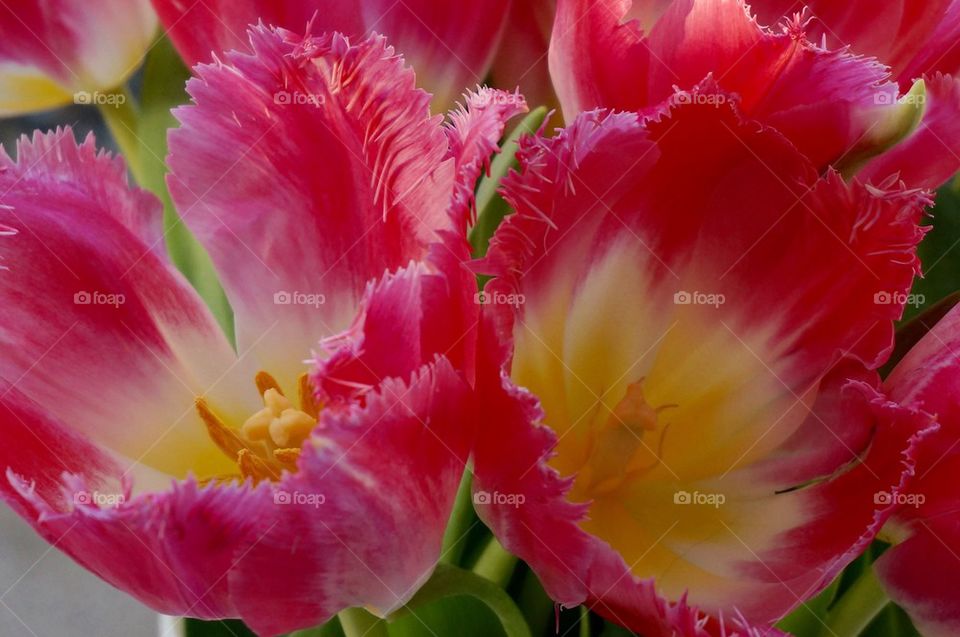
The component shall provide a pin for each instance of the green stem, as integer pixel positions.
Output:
(584, 621)
(537, 607)
(859, 606)
(491, 208)
(495, 563)
(120, 114)
(461, 521)
(357, 622)
(450, 581)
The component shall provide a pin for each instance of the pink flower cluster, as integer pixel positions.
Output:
(668, 390)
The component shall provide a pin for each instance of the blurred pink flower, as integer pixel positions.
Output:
(59, 51)
(450, 45)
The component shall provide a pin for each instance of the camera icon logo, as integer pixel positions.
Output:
(82, 497)
(883, 298)
(682, 497)
(682, 298)
(282, 497)
(282, 298)
(482, 497)
(83, 97)
(82, 298)
(282, 97)
(882, 498)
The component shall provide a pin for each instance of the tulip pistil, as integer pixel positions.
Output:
(269, 441)
(619, 448)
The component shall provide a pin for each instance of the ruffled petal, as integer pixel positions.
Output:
(306, 170)
(50, 50)
(930, 155)
(921, 571)
(450, 45)
(913, 38)
(677, 339)
(829, 103)
(99, 328)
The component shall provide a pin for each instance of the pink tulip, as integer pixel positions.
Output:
(839, 109)
(213, 483)
(451, 45)
(53, 50)
(922, 570)
(679, 346)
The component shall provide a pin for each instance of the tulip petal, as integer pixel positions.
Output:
(612, 259)
(912, 38)
(450, 45)
(306, 170)
(922, 570)
(930, 155)
(99, 328)
(52, 49)
(600, 59)
(922, 574)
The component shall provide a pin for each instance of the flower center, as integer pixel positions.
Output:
(269, 441)
(627, 443)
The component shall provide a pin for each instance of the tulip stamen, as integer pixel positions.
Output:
(619, 450)
(269, 441)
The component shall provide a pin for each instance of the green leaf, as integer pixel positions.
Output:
(808, 620)
(491, 208)
(462, 520)
(939, 253)
(164, 77)
(856, 608)
(452, 582)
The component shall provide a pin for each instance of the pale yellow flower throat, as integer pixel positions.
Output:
(270, 440)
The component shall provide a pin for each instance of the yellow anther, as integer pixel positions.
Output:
(225, 438)
(265, 381)
(253, 466)
(288, 457)
(308, 399)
